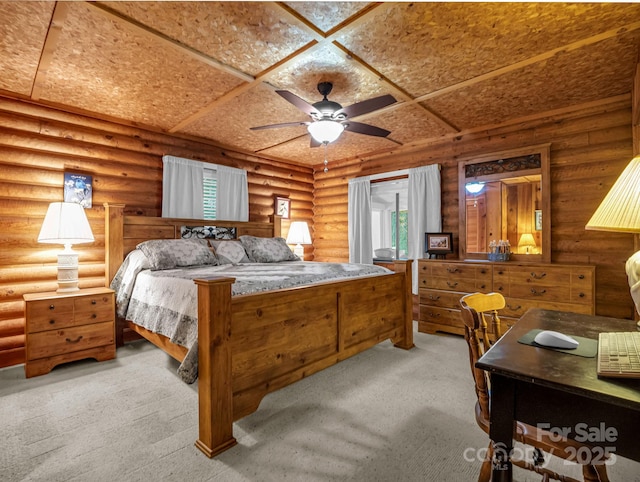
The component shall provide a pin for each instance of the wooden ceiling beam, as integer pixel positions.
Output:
(50, 44)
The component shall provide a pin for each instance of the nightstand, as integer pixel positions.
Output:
(64, 327)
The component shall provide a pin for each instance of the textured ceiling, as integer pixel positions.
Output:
(210, 69)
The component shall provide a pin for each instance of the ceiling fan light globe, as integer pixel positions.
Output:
(325, 131)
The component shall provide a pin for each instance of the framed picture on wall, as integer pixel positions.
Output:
(538, 219)
(438, 243)
(78, 189)
(283, 207)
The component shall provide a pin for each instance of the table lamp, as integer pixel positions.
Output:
(66, 223)
(527, 243)
(620, 212)
(299, 235)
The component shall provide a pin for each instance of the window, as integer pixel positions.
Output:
(209, 191)
(390, 216)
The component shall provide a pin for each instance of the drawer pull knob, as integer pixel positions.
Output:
(94, 302)
(52, 322)
(482, 287)
(93, 315)
(514, 308)
(452, 270)
(500, 272)
(69, 340)
(434, 315)
(581, 295)
(483, 271)
(434, 298)
(535, 292)
(52, 307)
(538, 276)
(580, 276)
(452, 285)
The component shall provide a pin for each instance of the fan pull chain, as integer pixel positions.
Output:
(326, 169)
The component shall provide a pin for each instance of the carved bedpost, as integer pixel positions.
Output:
(113, 240)
(405, 266)
(215, 391)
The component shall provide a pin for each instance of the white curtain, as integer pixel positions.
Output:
(232, 195)
(424, 211)
(182, 188)
(359, 217)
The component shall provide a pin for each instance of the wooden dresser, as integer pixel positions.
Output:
(64, 327)
(553, 286)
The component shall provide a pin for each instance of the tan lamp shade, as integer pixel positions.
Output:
(620, 209)
(527, 243)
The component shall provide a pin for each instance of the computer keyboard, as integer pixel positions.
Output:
(619, 354)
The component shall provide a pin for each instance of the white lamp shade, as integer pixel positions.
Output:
(299, 233)
(620, 209)
(325, 131)
(65, 223)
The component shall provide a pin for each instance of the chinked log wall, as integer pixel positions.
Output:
(590, 146)
(38, 144)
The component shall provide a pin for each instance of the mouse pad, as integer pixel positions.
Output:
(587, 347)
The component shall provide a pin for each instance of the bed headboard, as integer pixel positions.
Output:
(124, 232)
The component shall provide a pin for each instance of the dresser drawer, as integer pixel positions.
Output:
(61, 341)
(458, 284)
(441, 316)
(49, 314)
(442, 299)
(462, 271)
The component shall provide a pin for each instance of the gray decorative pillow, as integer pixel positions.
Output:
(268, 250)
(229, 251)
(173, 253)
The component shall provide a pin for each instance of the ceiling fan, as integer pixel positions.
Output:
(329, 119)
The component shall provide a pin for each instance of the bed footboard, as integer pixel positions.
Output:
(251, 345)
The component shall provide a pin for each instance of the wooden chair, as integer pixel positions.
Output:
(482, 324)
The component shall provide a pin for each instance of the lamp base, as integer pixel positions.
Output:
(67, 271)
(299, 251)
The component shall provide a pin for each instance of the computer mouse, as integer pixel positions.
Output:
(554, 339)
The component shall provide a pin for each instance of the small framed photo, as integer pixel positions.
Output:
(538, 219)
(78, 189)
(283, 207)
(438, 243)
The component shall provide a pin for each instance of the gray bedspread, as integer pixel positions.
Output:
(165, 301)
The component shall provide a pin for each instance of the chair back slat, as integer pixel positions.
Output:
(479, 311)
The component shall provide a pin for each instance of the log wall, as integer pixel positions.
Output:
(39, 144)
(590, 146)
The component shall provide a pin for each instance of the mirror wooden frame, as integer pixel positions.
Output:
(544, 151)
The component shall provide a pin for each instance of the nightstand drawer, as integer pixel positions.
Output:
(49, 314)
(57, 342)
(95, 308)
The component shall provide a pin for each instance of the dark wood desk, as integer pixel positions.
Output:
(541, 386)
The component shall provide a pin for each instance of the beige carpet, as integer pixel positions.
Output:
(384, 415)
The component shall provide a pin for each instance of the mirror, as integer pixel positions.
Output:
(505, 196)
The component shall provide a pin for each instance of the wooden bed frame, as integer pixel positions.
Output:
(251, 345)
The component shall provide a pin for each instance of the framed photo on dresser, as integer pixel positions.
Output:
(438, 243)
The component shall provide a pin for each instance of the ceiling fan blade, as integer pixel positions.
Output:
(366, 106)
(274, 126)
(301, 104)
(366, 129)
